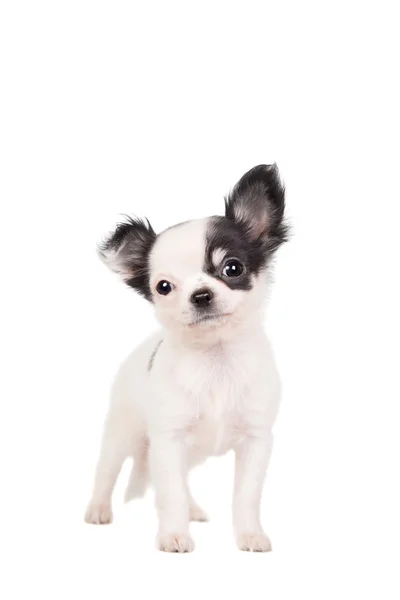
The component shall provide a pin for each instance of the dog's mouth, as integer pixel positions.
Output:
(209, 319)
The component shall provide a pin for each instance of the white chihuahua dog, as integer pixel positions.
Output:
(207, 382)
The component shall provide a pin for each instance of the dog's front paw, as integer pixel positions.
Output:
(98, 513)
(254, 542)
(175, 542)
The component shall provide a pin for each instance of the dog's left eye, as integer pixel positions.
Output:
(164, 287)
(232, 268)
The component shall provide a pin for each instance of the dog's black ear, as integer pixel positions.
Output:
(126, 252)
(257, 204)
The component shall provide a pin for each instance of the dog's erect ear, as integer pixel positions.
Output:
(126, 251)
(257, 204)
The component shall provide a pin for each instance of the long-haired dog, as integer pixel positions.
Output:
(207, 382)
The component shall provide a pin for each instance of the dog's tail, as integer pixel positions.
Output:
(139, 477)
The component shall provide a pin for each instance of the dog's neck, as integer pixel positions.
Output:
(208, 338)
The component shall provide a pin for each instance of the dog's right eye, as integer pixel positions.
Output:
(164, 287)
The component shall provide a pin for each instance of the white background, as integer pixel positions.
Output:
(156, 109)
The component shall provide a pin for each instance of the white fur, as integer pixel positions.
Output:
(218, 256)
(212, 387)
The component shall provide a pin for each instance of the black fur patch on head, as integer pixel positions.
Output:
(225, 235)
(126, 251)
(253, 228)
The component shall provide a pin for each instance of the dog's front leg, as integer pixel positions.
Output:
(251, 461)
(168, 463)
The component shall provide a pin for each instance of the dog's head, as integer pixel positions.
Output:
(207, 274)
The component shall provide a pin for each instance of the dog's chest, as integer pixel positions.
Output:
(213, 432)
(217, 387)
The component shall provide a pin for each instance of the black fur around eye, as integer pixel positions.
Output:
(164, 287)
(232, 268)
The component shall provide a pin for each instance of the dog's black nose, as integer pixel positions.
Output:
(202, 298)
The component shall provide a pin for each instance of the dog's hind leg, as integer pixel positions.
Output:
(139, 481)
(139, 477)
(196, 513)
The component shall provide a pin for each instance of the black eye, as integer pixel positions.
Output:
(164, 287)
(232, 268)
